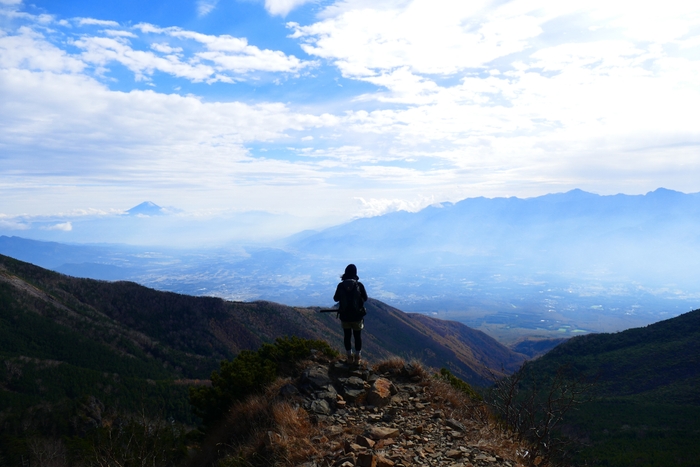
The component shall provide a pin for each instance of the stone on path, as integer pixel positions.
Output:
(378, 432)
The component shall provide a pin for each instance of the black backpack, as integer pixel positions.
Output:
(352, 306)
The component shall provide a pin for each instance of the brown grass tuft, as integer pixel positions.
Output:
(416, 369)
(263, 431)
(390, 365)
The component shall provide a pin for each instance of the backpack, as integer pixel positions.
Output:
(352, 306)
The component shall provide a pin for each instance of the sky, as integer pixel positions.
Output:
(317, 112)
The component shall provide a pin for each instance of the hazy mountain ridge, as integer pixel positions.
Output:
(558, 264)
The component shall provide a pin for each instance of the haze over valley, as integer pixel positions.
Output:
(556, 265)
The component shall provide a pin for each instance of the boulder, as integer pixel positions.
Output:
(380, 393)
(320, 407)
(316, 378)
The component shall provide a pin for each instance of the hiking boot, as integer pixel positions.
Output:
(358, 359)
(350, 360)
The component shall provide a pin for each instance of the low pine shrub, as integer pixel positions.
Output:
(250, 372)
(447, 376)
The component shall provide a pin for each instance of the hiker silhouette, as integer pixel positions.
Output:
(351, 295)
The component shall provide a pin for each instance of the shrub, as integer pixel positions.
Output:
(447, 376)
(249, 373)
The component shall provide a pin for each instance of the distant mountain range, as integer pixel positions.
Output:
(552, 266)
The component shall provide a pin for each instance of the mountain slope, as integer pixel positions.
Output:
(647, 406)
(656, 363)
(190, 335)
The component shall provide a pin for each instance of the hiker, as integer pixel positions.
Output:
(352, 297)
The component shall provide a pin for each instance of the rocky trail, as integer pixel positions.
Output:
(395, 414)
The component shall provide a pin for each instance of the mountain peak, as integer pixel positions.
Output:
(147, 208)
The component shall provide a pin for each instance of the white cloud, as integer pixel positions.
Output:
(68, 130)
(96, 22)
(166, 49)
(377, 207)
(283, 7)
(117, 33)
(457, 98)
(103, 50)
(231, 54)
(28, 50)
(144, 49)
(8, 223)
(423, 35)
(204, 7)
(63, 227)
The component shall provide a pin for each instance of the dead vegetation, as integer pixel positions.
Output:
(266, 430)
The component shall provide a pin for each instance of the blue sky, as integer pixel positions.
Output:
(322, 111)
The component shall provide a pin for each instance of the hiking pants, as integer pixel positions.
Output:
(358, 338)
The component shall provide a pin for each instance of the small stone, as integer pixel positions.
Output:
(377, 432)
(353, 394)
(384, 462)
(366, 460)
(364, 441)
(351, 447)
(346, 460)
(382, 443)
(454, 454)
(452, 423)
(354, 382)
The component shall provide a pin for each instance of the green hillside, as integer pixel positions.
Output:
(646, 410)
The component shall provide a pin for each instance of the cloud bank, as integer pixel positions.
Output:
(362, 109)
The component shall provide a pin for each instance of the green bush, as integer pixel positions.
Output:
(249, 373)
(446, 375)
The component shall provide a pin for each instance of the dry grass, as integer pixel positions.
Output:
(261, 431)
(392, 365)
(483, 430)
(268, 431)
(398, 366)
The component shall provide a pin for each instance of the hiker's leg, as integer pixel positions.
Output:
(358, 346)
(347, 339)
(358, 340)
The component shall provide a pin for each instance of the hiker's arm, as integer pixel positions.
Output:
(336, 296)
(363, 292)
